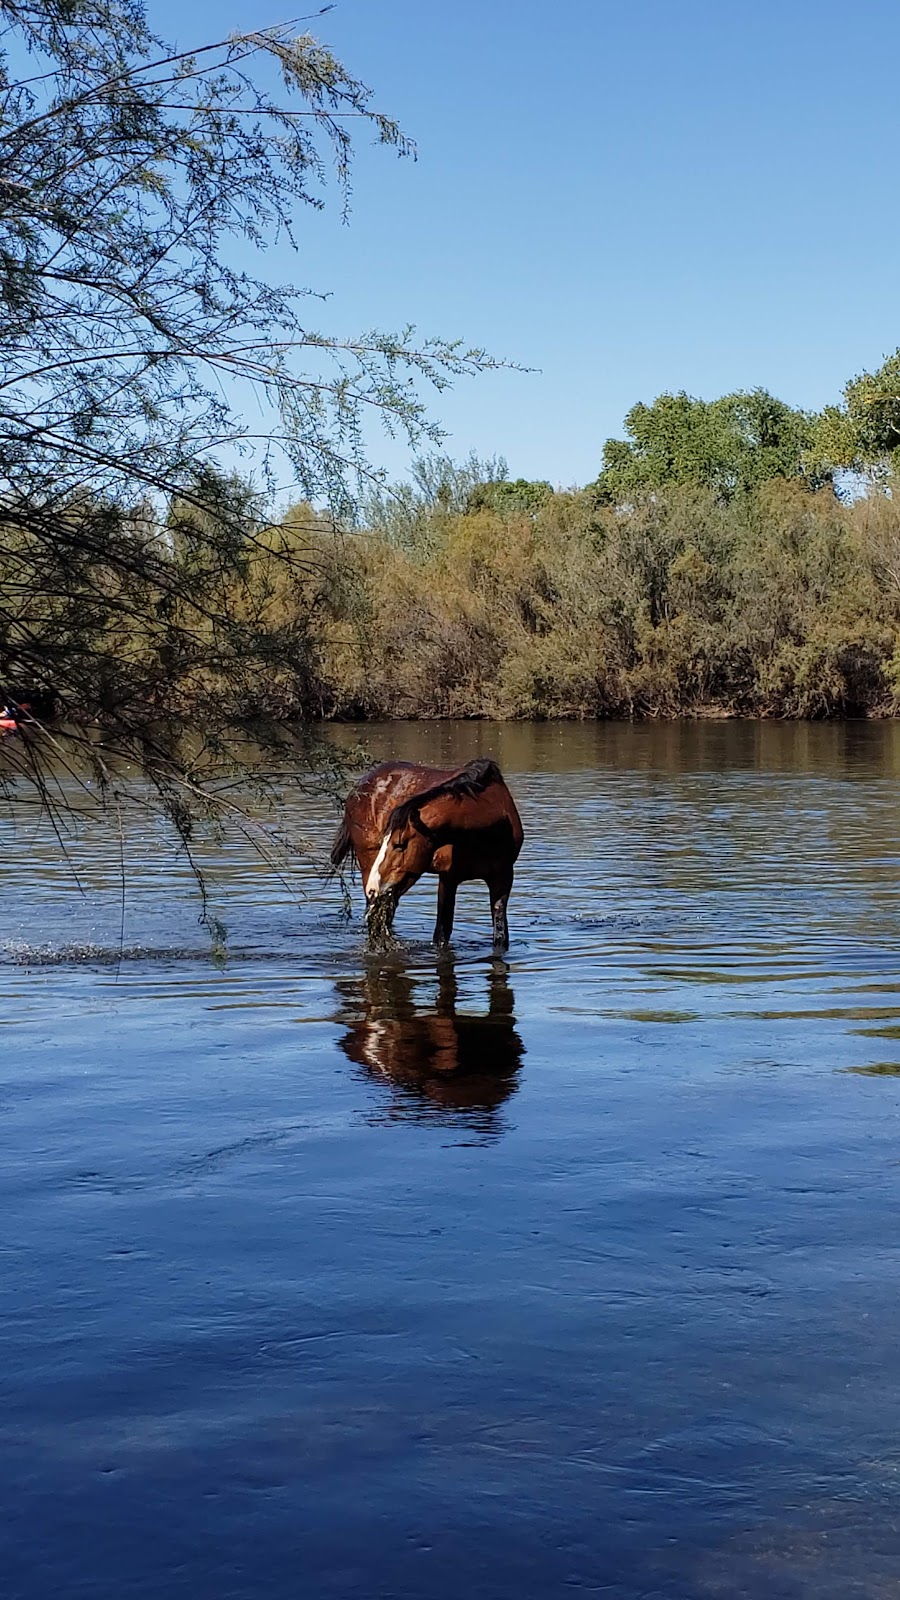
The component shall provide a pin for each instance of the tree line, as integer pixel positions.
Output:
(737, 556)
(707, 570)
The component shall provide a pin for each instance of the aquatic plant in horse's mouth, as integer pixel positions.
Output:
(380, 915)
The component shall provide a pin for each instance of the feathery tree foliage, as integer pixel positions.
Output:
(411, 514)
(139, 187)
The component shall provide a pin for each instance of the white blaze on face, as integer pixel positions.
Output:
(373, 882)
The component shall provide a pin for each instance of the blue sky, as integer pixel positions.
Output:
(630, 199)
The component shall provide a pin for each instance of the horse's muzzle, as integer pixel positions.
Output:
(383, 904)
(391, 893)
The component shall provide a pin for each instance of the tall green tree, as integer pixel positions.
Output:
(863, 432)
(730, 446)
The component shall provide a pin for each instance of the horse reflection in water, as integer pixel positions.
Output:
(440, 1063)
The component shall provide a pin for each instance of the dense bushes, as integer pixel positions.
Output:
(781, 602)
(464, 599)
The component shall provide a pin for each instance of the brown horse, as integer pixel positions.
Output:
(402, 820)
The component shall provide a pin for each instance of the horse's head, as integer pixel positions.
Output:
(406, 852)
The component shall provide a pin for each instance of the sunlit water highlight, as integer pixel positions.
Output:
(331, 1274)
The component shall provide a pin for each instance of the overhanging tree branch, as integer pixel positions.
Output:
(141, 583)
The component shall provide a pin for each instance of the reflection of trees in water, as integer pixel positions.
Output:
(440, 1063)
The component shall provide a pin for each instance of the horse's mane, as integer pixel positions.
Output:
(472, 780)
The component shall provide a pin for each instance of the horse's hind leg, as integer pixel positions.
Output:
(446, 906)
(500, 888)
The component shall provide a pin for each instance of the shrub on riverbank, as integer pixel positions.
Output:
(782, 602)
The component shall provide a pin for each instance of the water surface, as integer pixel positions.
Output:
(398, 1278)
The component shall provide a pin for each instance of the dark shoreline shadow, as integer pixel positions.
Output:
(438, 1063)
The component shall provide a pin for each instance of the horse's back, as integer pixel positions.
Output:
(405, 774)
(390, 783)
(479, 787)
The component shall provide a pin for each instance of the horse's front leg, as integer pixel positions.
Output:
(500, 889)
(446, 906)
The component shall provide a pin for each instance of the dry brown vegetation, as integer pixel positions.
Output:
(780, 603)
(488, 601)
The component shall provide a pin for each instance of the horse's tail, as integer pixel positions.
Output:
(343, 843)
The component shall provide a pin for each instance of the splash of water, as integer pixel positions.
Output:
(22, 954)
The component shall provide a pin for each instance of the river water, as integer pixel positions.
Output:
(397, 1278)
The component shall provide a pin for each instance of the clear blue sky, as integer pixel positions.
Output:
(691, 195)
